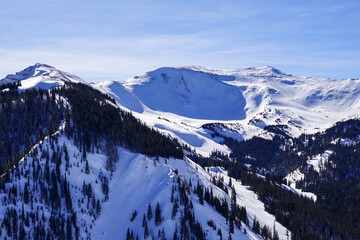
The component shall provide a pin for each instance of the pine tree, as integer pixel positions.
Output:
(149, 212)
(146, 231)
(163, 234)
(87, 170)
(26, 193)
(98, 208)
(231, 223)
(84, 153)
(68, 229)
(128, 234)
(143, 221)
(219, 233)
(158, 218)
(256, 225)
(200, 193)
(172, 193)
(265, 232)
(175, 236)
(232, 211)
(67, 159)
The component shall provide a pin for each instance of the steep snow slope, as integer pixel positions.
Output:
(94, 214)
(139, 181)
(41, 76)
(38, 175)
(237, 103)
(190, 94)
(153, 182)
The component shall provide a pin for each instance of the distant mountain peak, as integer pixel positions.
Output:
(266, 71)
(274, 70)
(41, 75)
(37, 65)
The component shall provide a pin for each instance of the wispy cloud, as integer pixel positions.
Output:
(112, 39)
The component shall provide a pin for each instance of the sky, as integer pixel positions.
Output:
(115, 40)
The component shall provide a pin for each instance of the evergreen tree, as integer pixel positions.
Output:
(175, 236)
(98, 208)
(68, 229)
(158, 218)
(256, 226)
(149, 212)
(146, 231)
(128, 234)
(200, 193)
(143, 221)
(87, 170)
(232, 211)
(219, 233)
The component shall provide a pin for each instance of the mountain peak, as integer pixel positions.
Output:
(273, 70)
(40, 75)
(266, 71)
(38, 65)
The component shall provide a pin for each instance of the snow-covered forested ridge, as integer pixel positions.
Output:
(59, 191)
(205, 111)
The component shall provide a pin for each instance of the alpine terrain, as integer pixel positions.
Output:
(179, 153)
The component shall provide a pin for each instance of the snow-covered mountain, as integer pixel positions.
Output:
(197, 105)
(41, 76)
(67, 180)
(69, 185)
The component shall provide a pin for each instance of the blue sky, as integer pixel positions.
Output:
(113, 40)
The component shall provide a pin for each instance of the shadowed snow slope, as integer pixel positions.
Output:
(188, 93)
